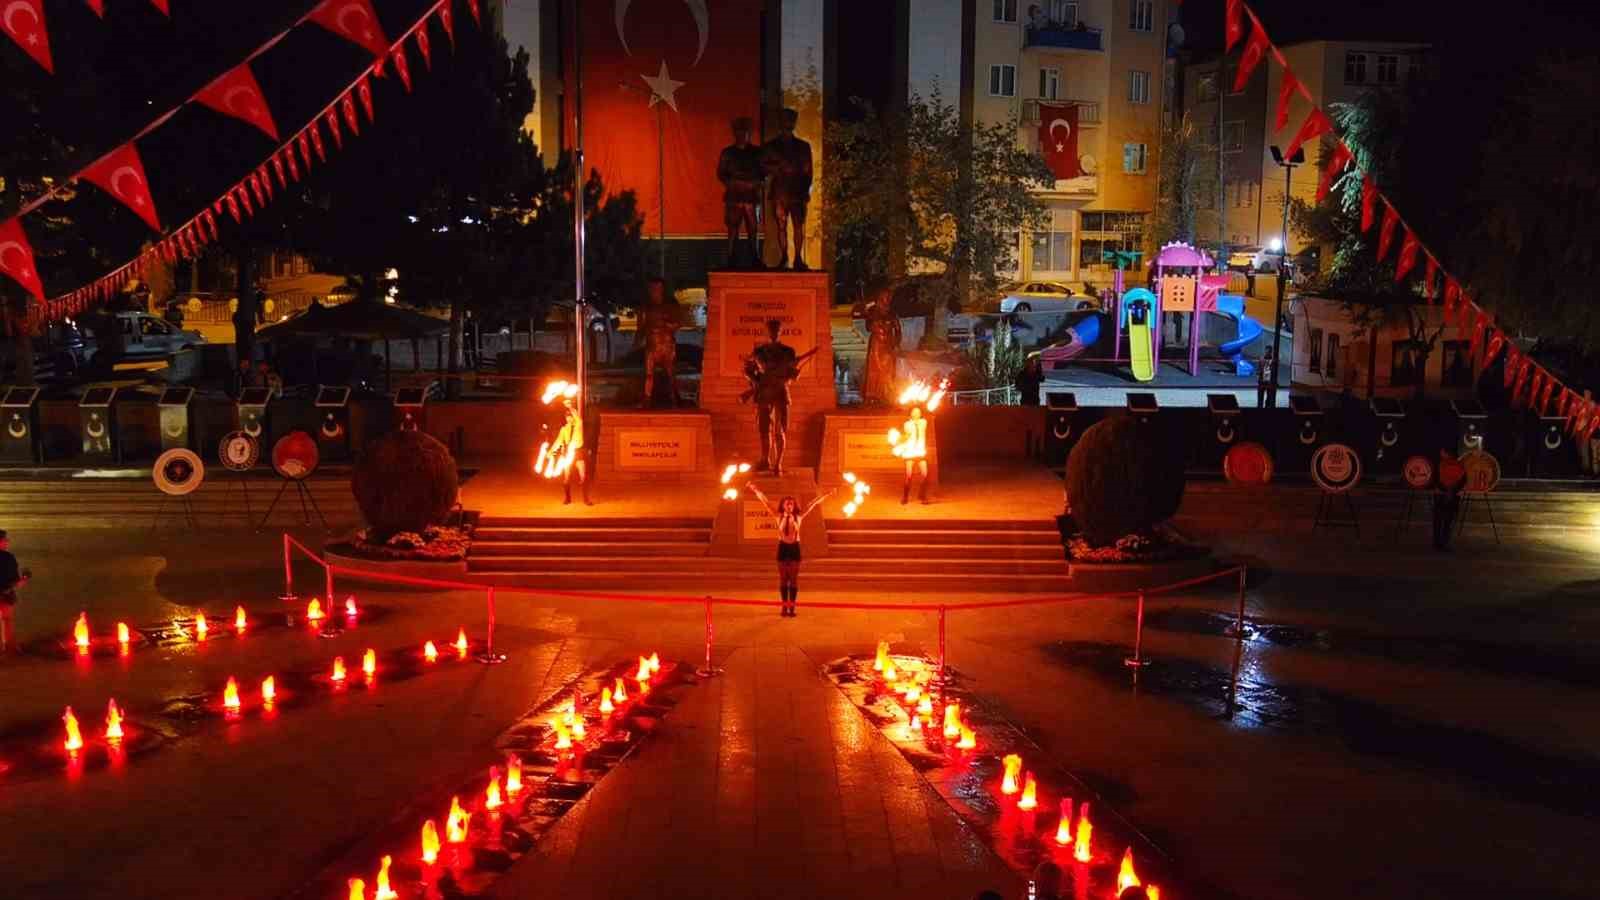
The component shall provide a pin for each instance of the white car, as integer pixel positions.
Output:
(144, 336)
(1042, 296)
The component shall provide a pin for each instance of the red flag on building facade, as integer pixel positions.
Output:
(238, 94)
(695, 65)
(1058, 139)
(120, 173)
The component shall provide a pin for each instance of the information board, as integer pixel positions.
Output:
(656, 449)
(745, 312)
(757, 524)
(867, 451)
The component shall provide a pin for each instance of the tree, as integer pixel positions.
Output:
(958, 193)
(1188, 173)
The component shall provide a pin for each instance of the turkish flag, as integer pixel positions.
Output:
(23, 22)
(162, 5)
(120, 173)
(692, 66)
(1286, 91)
(1391, 218)
(1255, 50)
(16, 258)
(1316, 125)
(1409, 245)
(238, 94)
(1058, 139)
(99, 7)
(355, 21)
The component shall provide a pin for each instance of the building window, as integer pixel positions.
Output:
(1002, 81)
(1388, 69)
(1355, 68)
(1049, 84)
(1405, 364)
(1142, 15)
(1414, 67)
(1205, 87)
(1457, 365)
(1052, 251)
(1232, 136)
(1331, 360)
(1315, 364)
(1064, 13)
(1133, 159)
(1005, 10)
(1241, 194)
(1138, 87)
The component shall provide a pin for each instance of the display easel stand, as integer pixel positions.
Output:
(1412, 504)
(305, 499)
(187, 506)
(244, 486)
(1326, 517)
(1467, 501)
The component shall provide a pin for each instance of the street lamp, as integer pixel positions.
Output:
(1282, 246)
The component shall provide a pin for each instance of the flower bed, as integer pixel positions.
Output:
(436, 543)
(1155, 545)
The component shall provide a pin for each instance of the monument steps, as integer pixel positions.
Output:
(757, 578)
(601, 548)
(717, 566)
(578, 534)
(918, 551)
(978, 538)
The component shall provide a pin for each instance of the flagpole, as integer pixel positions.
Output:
(578, 315)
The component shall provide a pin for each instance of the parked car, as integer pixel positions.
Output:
(1248, 259)
(1042, 296)
(145, 336)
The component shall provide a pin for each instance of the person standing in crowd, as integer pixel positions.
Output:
(1448, 478)
(11, 578)
(1029, 380)
(1266, 377)
(268, 377)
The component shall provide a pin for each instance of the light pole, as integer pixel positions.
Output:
(1283, 267)
(579, 326)
(661, 168)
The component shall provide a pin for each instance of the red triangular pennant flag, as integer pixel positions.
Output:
(1524, 369)
(1476, 343)
(1386, 230)
(1286, 90)
(99, 7)
(243, 193)
(1316, 125)
(316, 141)
(355, 21)
(402, 66)
(1337, 160)
(233, 208)
(447, 19)
(332, 121)
(23, 22)
(120, 173)
(1545, 389)
(294, 167)
(277, 169)
(1430, 273)
(473, 5)
(1233, 22)
(16, 258)
(238, 94)
(1369, 202)
(1409, 245)
(423, 47)
(1492, 349)
(1255, 50)
(364, 91)
(162, 5)
(305, 145)
(347, 105)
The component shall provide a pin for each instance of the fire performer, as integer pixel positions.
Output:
(570, 440)
(658, 332)
(914, 447)
(789, 517)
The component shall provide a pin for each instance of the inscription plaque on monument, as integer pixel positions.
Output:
(656, 449)
(745, 312)
(867, 451)
(757, 524)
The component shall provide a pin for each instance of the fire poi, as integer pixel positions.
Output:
(80, 632)
(113, 722)
(729, 472)
(74, 741)
(859, 491)
(910, 441)
(240, 622)
(565, 456)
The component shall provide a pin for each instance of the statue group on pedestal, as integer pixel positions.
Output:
(775, 176)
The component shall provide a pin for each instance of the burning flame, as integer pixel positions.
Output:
(916, 727)
(619, 693)
(889, 673)
(575, 723)
(655, 663)
(920, 393)
(113, 721)
(513, 776)
(728, 471)
(606, 706)
(200, 628)
(269, 691)
(338, 668)
(358, 889)
(350, 606)
(1013, 764)
(430, 652)
(230, 695)
(491, 794)
(123, 636)
(314, 610)
(1152, 892)
(1030, 793)
(382, 891)
(558, 388)
(969, 739)
(369, 663)
(925, 707)
(1126, 876)
(1064, 827)
(859, 491)
(74, 736)
(644, 670)
(730, 494)
(882, 657)
(952, 720)
(456, 826)
(563, 736)
(913, 692)
(430, 843)
(80, 632)
(240, 621)
(1082, 850)
(461, 643)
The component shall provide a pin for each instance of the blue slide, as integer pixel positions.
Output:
(1232, 306)
(1079, 338)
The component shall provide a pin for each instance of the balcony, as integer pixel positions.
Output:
(1063, 37)
(1088, 111)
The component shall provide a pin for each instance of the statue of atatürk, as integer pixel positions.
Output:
(883, 349)
(740, 171)
(770, 368)
(787, 161)
(658, 331)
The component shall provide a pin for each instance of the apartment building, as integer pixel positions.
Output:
(1248, 210)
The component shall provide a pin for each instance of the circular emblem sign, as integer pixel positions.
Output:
(294, 456)
(1451, 472)
(1247, 465)
(239, 451)
(1483, 472)
(178, 471)
(1335, 468)
(1418, 472)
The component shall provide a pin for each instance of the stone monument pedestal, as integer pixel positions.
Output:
(655, 445)
(744, 528)
(859, 443)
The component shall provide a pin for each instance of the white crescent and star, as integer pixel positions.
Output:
(697, 8)
(1061, 144)
(365, 33)
(19, 269)
(32, 34)
(250, 111)
(116, 185)
(663, 88)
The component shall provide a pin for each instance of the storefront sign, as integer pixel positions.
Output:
(745, 312)
(656, 449)
(867, 451)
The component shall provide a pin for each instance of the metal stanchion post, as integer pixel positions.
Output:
(288, 573)
(1137, 660)
(708, 670)
(941, 645)
(1238, 645)
(330, 611)
(489, 657)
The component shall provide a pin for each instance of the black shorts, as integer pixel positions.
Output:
(788, 552)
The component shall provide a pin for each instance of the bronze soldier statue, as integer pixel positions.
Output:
(883, 349)
(772, 366)
(658, 331)
(787, 160)
(740, 171)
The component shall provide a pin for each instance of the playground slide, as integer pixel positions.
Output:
(1140, 313)
(1080, 337)
(1232, 306)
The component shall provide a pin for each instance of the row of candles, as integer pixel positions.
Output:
(915, 696)
(567, 724)
(82, 639)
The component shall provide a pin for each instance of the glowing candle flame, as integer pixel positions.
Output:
(644, 670)
(358, 889)
(1152, 892)
(513, 775)
(925, 706)
(644, 686)
(430, 843)
(889, 672)
(606, 706)
(1082, 851)
(240, 621)
(269, 691)
(619, 693)
(123, 636)
(952, 720)
(113, 721)
(579, 731)
(230, 695)
(338, 668)
(969, 739)
(1064, 827)
(655, 663)
(491, 794)
(430, 652)
(200, 628)
(350, 606)
(369, 663)
(80, 632)
(1030, 793)
(916, 727)
(850, 510)
(74, 741)
(563, 736)
(881, 658)
(382, 891)
(314, 610)
(461, 642)
(1013, 764)
(1126, 876)
(456, 825)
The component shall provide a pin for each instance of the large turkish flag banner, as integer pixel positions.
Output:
(1058, 139)
(694, 63)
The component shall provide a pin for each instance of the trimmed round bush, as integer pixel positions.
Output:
(1123, 477)
(405, 481)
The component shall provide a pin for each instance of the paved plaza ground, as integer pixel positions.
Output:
(1410, 724)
